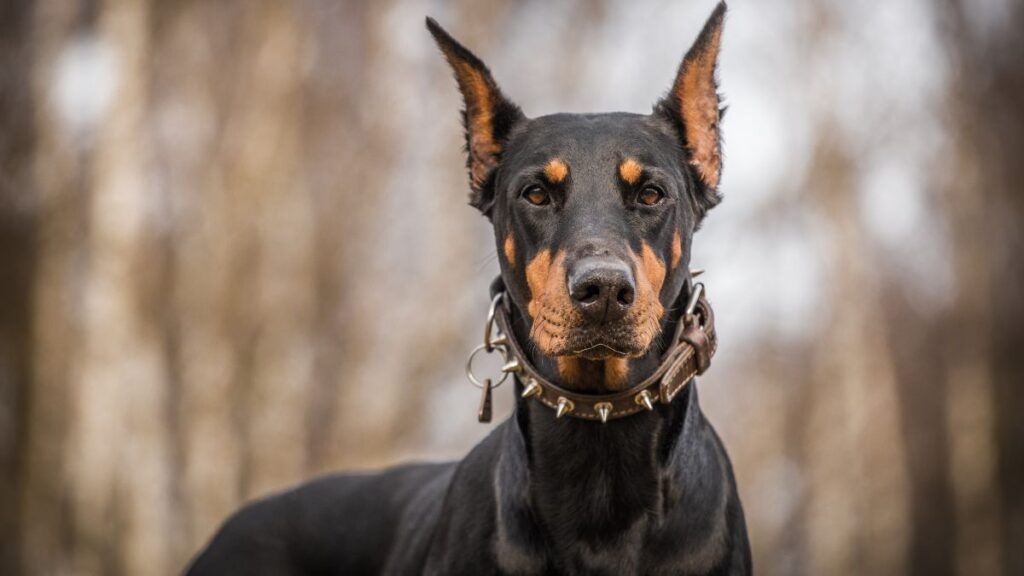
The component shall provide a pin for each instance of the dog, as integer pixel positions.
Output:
(607, 465)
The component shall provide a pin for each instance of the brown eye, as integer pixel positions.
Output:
(650, 196)
(537, 196)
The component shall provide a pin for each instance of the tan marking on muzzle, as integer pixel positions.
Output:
(537, 280)
(556, 171)
(647, 308)
(630, 171)
(550, 306)
(510, 250)
(654, 271)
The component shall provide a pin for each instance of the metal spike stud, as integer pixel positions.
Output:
(564, 407)
(532, 389)
(501, 340)
(694, 272)
(603, 410)
(512, 365)
(645, 400)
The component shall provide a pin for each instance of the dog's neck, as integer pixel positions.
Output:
(599, 476)
(594, 483)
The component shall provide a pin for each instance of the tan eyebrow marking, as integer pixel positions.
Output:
(555, 171)
(630, 171)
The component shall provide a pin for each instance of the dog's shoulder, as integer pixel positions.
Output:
(707, 533)
(345, 520)
(466, 516)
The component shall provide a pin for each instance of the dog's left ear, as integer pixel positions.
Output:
(692, 105)
(488, 117)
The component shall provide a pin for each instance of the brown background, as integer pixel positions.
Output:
(235, 253)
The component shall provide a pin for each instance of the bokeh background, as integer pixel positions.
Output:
(235, 253)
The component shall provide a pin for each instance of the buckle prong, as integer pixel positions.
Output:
(689, 317)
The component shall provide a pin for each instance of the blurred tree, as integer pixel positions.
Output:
(234, 253)
(17, 262)
(987, 207)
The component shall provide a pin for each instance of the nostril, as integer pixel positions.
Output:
(589, 294)
(625, 296)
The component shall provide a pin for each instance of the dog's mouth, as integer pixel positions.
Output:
(604, 351)
(631, 338)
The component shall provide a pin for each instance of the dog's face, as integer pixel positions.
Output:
(593, 213)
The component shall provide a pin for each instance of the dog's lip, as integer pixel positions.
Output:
(600, 346)
(600, 351)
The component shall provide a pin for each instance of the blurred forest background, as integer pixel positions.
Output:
(235, 252)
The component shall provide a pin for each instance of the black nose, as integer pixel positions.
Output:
(602, 288)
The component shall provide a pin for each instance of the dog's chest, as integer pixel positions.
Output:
(634, 551)
(620, 555)
(576, 538)
(655, 541)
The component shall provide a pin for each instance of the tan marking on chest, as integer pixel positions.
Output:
(616, 371)
(593, 375)
(570, 369)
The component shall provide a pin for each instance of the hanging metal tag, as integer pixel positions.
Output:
(484, 413)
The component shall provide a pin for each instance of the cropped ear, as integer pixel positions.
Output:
(488, 117)
(692, 105)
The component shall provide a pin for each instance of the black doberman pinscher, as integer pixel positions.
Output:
(607, 465)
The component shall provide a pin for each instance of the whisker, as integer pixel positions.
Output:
(487, 260)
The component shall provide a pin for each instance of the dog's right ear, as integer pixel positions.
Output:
(488, 116)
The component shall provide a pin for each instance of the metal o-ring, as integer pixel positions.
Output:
(469, 368)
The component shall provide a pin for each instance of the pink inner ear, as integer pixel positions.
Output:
(697, 95)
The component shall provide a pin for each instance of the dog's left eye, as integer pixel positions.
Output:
(537, 196)
(650, 196)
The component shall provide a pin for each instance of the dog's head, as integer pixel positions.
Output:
(593, 213)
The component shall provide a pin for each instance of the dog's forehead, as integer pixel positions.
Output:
(583, 140)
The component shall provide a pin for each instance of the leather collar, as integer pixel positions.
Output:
(693, 345)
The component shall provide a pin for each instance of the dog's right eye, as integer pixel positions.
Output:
(537, 196)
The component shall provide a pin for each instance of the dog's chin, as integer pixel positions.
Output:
(600, 344)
